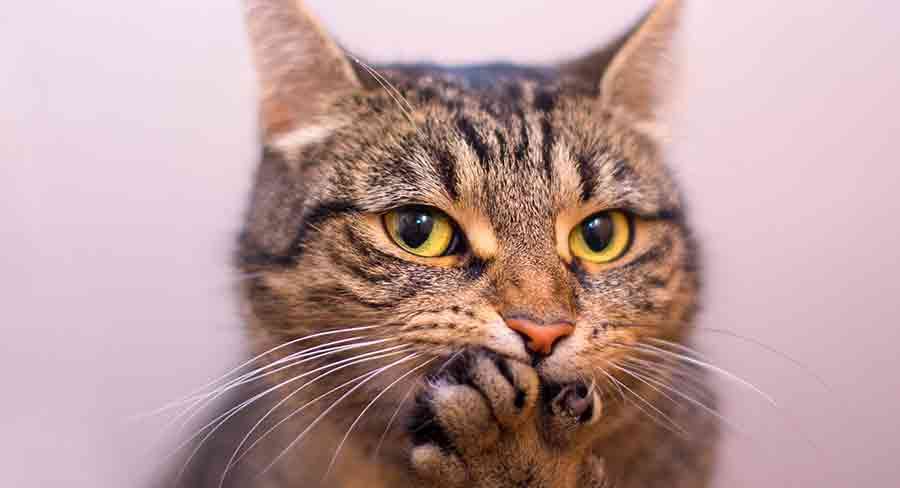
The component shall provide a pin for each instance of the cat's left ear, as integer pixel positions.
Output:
(301, 71)
(637, 72)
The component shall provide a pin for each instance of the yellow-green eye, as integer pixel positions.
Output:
(602, 237)
(423, 231)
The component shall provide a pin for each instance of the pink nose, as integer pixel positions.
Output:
(540, 338)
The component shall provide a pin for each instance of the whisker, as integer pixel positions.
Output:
(615, 386)
(712, 411)
(677, 427)
(627, 371)
(406, 397)
(706, 408)
(364, 410)
(388, 87)
(694, 382)
(724, 372)
(223, 418)
(803, 367)
(235, 458)
(286, 344)
(302, 358)
(255, 374)
(202, 401)
(332, 406)
(594, 384)
(390, 422)
(791, 420)
(248, 362)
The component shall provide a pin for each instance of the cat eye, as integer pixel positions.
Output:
(424, 231)
(602, 237)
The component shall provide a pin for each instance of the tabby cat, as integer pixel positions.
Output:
(462, 276)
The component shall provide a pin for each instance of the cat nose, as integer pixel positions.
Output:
(539, 338)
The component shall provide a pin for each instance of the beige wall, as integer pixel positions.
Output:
(126, 147)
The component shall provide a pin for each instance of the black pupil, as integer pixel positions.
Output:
(598, 231)
(414, 227)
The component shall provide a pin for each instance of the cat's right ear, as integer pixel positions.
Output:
(301, 72)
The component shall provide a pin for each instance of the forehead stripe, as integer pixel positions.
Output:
(587, 172)
(445, 167)
(471, 136)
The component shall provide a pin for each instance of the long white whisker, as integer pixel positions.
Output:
(246, 363)
(235, 458)
(390, 422)
(255, 374)
(364, 410)
(332, 406)
(223, 418)
(616, 385)
(191, 411)
(388, 87)
(789, 418)
(675, 370)
(712, 367)
(642, 399)
(387, 427)
(301, 358)
(629, 372)
(750, 340)
(694, 401)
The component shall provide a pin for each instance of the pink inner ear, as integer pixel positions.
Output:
(300, 69)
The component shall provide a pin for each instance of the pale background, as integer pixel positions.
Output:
(127, 143)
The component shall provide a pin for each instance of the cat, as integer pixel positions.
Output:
(462, 276)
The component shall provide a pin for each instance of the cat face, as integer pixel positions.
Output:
(447, 208)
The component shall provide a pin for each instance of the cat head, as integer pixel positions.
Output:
(526, 210)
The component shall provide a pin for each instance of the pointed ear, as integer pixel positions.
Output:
(301, 71)
(636, 72)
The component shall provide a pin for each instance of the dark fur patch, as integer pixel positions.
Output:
(423, 426)
(475, 268)
(315, 216)
(657, 252)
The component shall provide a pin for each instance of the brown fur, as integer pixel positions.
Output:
(516, 156)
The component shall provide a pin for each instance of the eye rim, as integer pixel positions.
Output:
(618, 246)
(454, 242)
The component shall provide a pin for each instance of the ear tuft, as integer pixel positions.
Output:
(301, 70)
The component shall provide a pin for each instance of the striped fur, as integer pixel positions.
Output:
(516, 156)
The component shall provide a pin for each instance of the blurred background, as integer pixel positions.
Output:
(127, 143)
